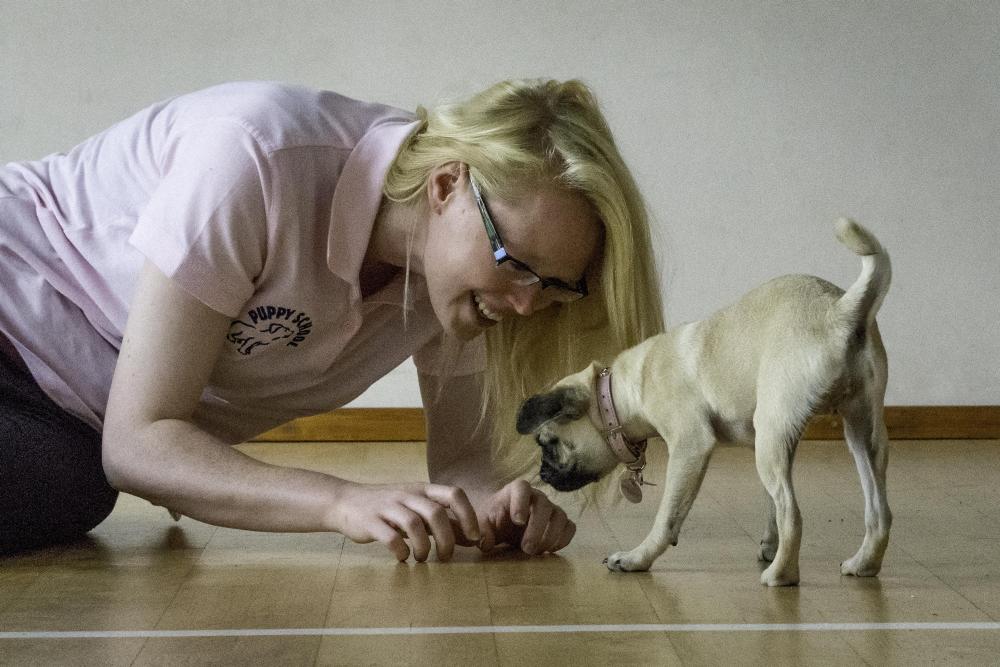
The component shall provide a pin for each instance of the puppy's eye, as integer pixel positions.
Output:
(553, 442)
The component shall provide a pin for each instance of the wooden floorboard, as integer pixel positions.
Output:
(142, 573)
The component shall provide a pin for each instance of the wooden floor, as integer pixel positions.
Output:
(147, 591)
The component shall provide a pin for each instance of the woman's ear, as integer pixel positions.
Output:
(442, 183)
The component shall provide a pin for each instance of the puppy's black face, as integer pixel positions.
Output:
(560, 475)
(564, 404)
(573, 450)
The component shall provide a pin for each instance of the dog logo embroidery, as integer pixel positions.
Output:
(269, 325)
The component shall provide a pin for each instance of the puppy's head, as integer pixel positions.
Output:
(574, 452)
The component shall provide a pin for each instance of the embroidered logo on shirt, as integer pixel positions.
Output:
(269, 325)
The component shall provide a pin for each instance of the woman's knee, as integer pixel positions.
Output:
(52, 485)
(95, 505)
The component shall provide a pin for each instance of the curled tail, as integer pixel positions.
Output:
(862, 300)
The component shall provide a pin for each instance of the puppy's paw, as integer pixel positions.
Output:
(856, 567)
(773, 577)
(767, 551)
(625, 561)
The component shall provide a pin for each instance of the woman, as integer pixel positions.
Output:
(233, 258)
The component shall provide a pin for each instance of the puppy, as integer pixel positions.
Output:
(752, 373)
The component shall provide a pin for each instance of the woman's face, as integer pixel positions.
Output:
(553, 231)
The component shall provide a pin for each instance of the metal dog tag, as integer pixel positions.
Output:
(630, 485)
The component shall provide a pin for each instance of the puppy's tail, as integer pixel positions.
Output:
(861, 301)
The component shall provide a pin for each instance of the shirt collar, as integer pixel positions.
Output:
(358, 195)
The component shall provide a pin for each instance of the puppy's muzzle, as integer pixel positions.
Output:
(559, 476)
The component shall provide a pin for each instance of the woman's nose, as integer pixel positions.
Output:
(527, 299)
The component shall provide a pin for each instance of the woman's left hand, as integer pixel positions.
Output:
(523, 516)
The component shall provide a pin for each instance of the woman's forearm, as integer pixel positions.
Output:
(175, 464)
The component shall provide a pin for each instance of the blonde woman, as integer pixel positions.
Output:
(231, 259)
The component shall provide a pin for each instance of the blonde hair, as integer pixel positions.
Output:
(514, 136)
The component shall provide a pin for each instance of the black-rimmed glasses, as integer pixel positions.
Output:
(520, 273)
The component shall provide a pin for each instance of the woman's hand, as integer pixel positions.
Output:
(392, 514)
(523, 516)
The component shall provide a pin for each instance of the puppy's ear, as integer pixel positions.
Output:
(564, 404)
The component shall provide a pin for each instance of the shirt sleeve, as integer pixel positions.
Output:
(205, 225)
(447, 356)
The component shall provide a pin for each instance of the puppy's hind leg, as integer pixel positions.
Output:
(769, 542)
(688, 459)
(866, 435)
(774, 451)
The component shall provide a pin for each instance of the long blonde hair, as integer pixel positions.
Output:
(513, 136)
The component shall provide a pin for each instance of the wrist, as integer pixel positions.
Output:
(332, 517)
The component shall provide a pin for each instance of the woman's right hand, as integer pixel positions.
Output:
(392, 514)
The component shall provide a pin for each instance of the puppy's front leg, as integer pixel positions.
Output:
(685, 470)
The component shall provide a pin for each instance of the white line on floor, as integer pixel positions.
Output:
(498, 629)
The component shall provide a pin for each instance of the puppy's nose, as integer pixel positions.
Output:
(546, 443)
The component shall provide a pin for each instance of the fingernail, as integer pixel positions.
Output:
(519, 518)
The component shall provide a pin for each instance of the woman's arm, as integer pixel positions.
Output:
(459, 454)
(151, 449)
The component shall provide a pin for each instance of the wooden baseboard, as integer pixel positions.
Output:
(905, 422)
(922, 422)
(353, 425)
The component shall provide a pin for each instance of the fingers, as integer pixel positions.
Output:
(405, 519)
(559, 533)
(412, 525)
(455, 499)
(553, 532)
(538, 521)
(546, 526)
(568, 533)
(421, 513)
(435, 518)
(489, 537)
(520, 501)
(390, 537)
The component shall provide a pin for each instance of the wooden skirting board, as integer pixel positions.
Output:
(905, 422)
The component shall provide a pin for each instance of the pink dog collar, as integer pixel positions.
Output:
(632, 454)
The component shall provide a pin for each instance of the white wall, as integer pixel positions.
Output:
(749, 126)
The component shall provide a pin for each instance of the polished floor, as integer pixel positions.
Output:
(144, 590)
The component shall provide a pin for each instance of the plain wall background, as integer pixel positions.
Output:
(749, 127)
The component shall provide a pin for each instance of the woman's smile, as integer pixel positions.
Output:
(485, 310)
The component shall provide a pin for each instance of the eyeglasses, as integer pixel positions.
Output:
(520, 273)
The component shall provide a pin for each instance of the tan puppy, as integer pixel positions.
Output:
(754, 372)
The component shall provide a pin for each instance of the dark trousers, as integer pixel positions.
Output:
(52, 485)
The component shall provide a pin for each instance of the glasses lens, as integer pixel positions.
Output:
(561, 295)
(517, 275)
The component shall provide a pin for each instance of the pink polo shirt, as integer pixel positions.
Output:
(258, 199)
